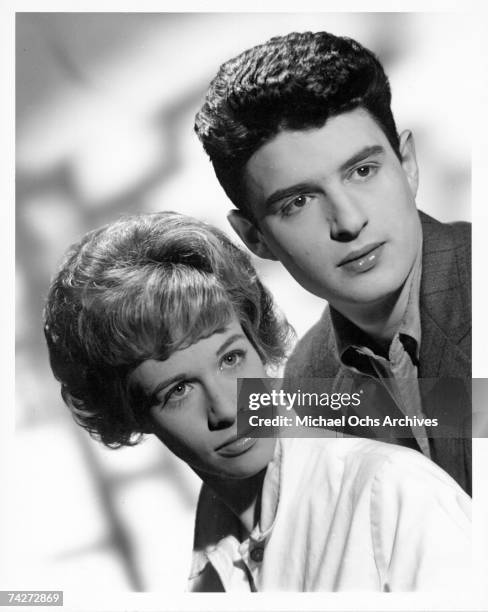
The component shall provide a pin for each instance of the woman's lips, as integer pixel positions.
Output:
(364, 259)
(236, 446)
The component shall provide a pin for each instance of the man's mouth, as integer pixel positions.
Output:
(362, 259)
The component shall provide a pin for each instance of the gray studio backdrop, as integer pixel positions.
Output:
(105, 107)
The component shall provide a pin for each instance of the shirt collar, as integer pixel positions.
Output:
(410, 325)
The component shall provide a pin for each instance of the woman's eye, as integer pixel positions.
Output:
(364, 172)
(177, 393)
(294, 205)
(231, 359)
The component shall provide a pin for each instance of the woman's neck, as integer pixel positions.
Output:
(242, 497)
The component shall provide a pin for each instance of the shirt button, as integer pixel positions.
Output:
(257, 554)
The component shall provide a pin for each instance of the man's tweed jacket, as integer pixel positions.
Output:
(445, 350)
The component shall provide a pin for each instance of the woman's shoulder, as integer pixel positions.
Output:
(359, 462)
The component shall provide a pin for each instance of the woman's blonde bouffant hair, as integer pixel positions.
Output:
(142, 288)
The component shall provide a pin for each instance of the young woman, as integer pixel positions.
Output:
(149, 322)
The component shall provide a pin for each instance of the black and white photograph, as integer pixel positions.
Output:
(206, 197)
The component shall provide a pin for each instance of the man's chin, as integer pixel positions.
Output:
(369, 295)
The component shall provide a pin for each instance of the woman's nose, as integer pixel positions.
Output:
(222, 405)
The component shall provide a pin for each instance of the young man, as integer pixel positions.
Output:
(302, 138)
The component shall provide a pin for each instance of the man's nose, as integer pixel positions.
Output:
(222, 405)
(347, 216)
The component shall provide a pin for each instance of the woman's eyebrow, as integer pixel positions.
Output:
(183, 375)
(165, 383)
(228, 342)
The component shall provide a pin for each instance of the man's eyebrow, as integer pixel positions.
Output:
(361, 156)
(286, 192)
(299, 188)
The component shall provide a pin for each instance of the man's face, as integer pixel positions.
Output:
(337, 208)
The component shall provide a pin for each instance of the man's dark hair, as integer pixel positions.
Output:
(291, 82)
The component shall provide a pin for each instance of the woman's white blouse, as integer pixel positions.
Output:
(340, 515)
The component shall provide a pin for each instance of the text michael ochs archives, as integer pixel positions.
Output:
(280, 408)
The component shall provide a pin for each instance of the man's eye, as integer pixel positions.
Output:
(294, 205)
(232, 359)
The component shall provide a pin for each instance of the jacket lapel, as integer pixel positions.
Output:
(444, 314)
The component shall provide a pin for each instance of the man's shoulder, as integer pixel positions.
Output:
(460, 227)
(446, 273)
(445, 299)
(446, 241)
(315, 355)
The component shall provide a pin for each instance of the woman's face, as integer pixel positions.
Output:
(193, 407)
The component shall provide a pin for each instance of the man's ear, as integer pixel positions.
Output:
(409, 160)
(250, 235)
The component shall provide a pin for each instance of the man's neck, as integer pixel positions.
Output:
(380, 320)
